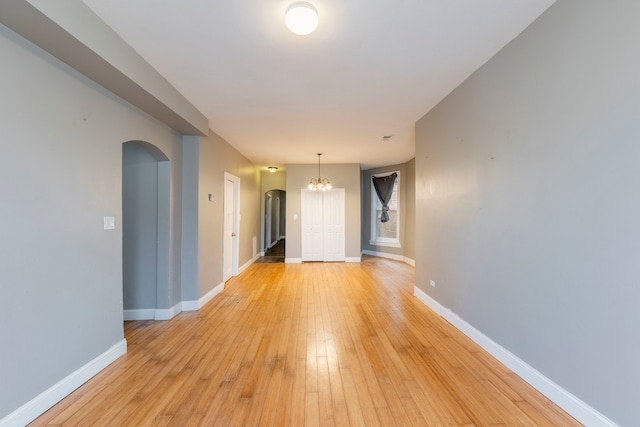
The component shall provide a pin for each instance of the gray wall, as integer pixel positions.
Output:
(150, 256)
(216, 157)
(190, 276)
(62, 170)
(273, 181)
(139, 226)
(407, 208)
(60, 174)
(71, 32)
(205, 161)
(346, 176)
(409, 244)
(527, 201)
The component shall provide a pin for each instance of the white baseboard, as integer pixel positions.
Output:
(390, 256)
(248, 263)
(168, 313)
(45, 400)
(299, 260)
(384, 255)
(153, 313)
(140, 314)
(197, 305)
(565, 400)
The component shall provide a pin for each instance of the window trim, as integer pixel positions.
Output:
(375, 240)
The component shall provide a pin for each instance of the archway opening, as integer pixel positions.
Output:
(146, 179)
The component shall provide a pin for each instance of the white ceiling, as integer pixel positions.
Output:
(372, 68)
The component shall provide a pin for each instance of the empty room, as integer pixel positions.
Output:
(319, 212)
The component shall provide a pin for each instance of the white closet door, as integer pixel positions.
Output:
(311, 213)
(323, 225)
(333, 222)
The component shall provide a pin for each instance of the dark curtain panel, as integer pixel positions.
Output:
(384, 189)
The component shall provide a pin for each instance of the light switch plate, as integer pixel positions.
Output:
(109, 222)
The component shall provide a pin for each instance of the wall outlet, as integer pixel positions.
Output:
(432, 283)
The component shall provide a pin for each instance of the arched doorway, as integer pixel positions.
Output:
(274, 225)
(146, 179)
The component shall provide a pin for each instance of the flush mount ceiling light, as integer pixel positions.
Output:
(272, 169)
(301, 18)
(322, 184)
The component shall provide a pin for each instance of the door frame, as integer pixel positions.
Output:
(162, 237)
(268, 238)
(235, 227)
(277, 219)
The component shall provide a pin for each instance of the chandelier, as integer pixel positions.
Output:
(321, 184)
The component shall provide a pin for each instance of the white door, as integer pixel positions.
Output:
(230, 227)
(323, 225)
(311, 223)
(333, 225)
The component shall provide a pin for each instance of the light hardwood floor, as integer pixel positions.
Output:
(308, 344)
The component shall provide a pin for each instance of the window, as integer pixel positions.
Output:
(386, 233)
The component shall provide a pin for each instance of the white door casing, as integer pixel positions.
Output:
(267, 223)
(231, 226)
(277, 219)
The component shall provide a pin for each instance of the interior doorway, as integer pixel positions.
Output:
(274, 226)
(231, 226)
(146, 183)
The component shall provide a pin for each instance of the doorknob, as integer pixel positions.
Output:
(233, 234)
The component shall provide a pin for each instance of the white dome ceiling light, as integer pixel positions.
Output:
(301, 18)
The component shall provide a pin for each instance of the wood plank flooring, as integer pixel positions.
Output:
(314, 344)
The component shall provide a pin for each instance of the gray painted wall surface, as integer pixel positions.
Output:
(70, 31)
(273, 181)
(190, 276)
(149, 256)
(409, 244)
(527, 201)
(346, 176)
(139, 226)
(216, 157)
(60, 174)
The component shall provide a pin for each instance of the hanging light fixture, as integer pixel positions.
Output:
(272, 169)
(322, 184)
(301, 18)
